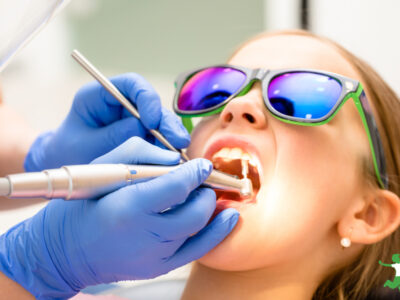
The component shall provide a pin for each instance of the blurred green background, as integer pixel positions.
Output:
(161, 38)
(168, 37)
(155, 38)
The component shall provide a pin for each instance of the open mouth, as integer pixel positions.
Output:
(237, 161)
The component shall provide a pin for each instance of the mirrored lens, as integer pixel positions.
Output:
(210, 87)
(303, 94)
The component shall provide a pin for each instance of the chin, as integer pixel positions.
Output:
(236, 253)
(243, 248)
(233, 154)
(227, 255)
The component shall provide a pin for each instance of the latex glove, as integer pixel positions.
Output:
(124, 235)
(97, 123)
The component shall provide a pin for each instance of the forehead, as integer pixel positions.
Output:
(292, 51)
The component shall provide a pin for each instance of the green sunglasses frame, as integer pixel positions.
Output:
(350, 89)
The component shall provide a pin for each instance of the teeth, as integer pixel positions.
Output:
(235, 153)
(246, 156)
(253, 162)
(224, 153)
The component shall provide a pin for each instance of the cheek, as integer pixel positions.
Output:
(301, 198)
(200, 135)
(317, 163)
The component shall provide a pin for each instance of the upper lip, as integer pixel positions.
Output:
(231, 142)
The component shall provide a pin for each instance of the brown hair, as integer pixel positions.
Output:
(357, 280)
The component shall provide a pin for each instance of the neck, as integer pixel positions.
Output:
(207, 283)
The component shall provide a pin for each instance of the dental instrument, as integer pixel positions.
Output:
(246, 180)
(96, 180)
(245, 168)
(120, 97)
(109, 86)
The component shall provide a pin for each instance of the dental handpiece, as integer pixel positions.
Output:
(94, 181)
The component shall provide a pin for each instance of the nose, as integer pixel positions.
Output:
(247, 110)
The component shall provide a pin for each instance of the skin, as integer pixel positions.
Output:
(19, 137)
(9, 289)
(312, 192)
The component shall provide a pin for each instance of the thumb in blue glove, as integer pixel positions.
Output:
(137, 232)
(97, 123)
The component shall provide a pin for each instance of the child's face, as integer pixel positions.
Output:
(308, 175)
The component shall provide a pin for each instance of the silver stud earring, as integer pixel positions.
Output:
(345, 241)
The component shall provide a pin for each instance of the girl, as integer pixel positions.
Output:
(326, 209)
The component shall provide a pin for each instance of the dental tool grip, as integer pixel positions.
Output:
(107, 84)
(5, 188)
(70, 182)
(216, 180)
(94, 181)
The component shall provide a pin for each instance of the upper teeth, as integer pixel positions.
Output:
(235, 153)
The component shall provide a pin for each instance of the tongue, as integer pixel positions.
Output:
(233, 167)
(222, 195)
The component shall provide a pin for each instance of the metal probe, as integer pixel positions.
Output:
(121, 98)
(107, 84)
(94, 181)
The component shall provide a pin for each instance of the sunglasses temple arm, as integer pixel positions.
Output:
(374, 141)
(187, 123)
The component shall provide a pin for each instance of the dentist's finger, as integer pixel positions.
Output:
(208, 238)
(188, 218)
(172, 129)
(118, 132)
(138, 151)
(173, 188)
(97, 107)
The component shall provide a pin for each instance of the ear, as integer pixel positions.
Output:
(371, 218)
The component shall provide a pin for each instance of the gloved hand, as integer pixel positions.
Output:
(127, 234)
(97, 123)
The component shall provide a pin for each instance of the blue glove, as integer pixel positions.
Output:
(97, 123)
(127, 234)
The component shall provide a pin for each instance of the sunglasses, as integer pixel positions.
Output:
(296, 96)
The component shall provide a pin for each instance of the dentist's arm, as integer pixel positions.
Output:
(9, 289)
(15, 139)
(96, 124)
(137, 232)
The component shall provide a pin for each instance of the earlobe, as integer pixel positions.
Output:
(373, 219)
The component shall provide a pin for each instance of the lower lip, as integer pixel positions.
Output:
(223, 203)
